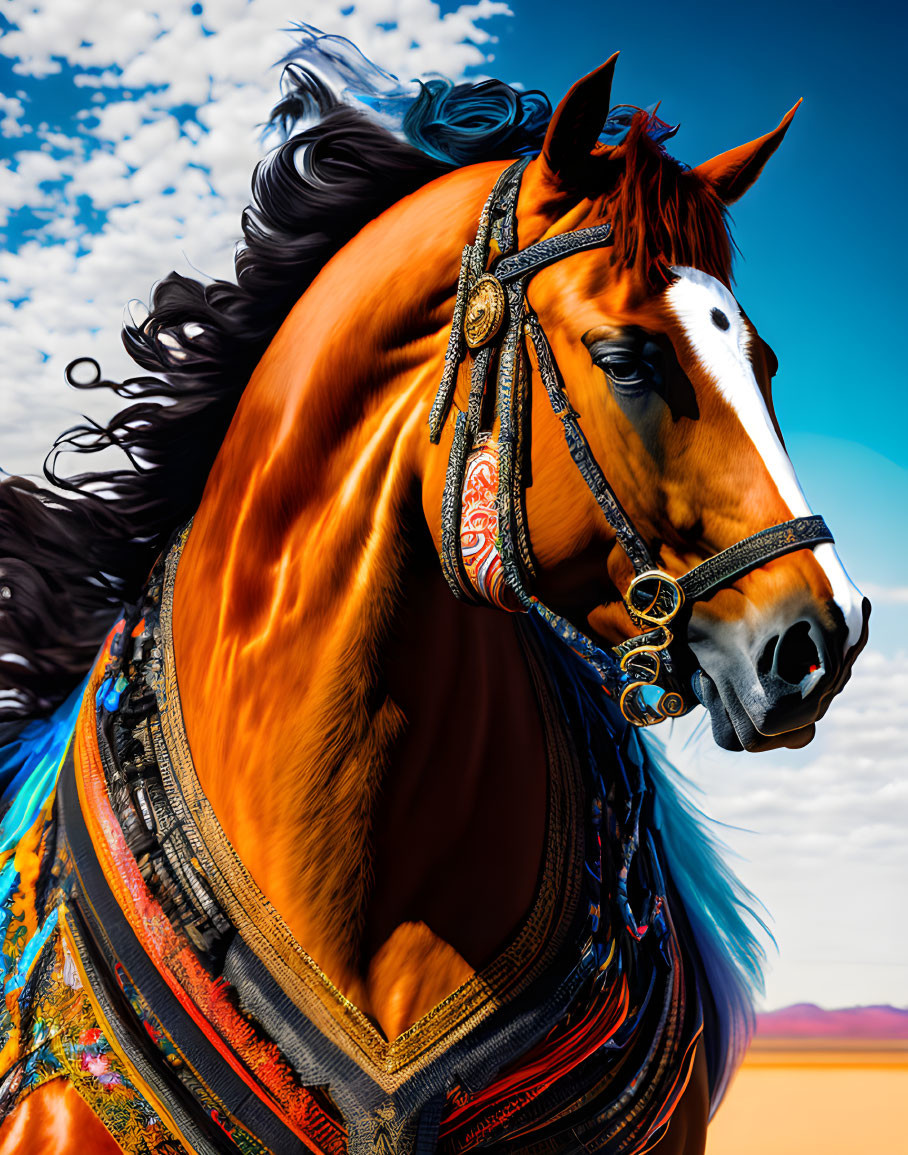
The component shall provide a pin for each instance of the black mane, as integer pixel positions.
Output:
(70, 556)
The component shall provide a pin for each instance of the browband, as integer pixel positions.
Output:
(528, 262)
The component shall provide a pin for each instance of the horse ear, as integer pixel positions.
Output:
(732, 173)
(578, 120)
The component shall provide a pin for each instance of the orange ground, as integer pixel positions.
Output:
(839, 1100)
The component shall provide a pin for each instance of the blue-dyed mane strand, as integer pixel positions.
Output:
(712, 911)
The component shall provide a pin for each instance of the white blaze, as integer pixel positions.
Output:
(724, 354)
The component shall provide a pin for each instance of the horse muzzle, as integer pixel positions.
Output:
(766, 687)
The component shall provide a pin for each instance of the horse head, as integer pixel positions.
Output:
(665, 380)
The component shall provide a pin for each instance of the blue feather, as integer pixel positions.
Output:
(29, 765)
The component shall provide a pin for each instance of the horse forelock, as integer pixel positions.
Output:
(661, 209)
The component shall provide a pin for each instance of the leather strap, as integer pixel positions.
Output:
(529, 261)
(497, 223)
(754, 551)
(628, 538)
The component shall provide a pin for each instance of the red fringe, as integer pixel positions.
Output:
(478, 1116)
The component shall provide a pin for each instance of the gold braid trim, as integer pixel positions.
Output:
(533, 949)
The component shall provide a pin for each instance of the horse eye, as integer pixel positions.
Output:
(631, 364)
(624, 371)
(631, 359)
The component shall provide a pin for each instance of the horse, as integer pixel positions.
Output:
(349, 838)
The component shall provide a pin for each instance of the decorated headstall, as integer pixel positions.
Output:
(485, 552)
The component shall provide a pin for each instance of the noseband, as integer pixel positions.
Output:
(483, 500)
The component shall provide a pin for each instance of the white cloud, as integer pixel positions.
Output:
(11, 113)
(222, 64)
(886, 595)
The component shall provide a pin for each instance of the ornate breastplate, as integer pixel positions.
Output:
(226, 1030)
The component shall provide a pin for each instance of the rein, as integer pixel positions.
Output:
(493, 319)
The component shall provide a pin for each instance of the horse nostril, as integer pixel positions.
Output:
(797, 660)
(764, 662)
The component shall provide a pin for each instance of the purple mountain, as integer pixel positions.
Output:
(804, 1020)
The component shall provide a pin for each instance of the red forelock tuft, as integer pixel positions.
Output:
(663, 213)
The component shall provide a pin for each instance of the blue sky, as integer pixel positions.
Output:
(129, 136)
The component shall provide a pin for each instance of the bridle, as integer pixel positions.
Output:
(493, 318)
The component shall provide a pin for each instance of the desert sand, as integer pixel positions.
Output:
(816, 1097)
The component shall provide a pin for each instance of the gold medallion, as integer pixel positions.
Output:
(484, 312)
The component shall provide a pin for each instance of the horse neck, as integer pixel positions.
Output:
(308, 604)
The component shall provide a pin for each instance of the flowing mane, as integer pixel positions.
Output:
(69, 557)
